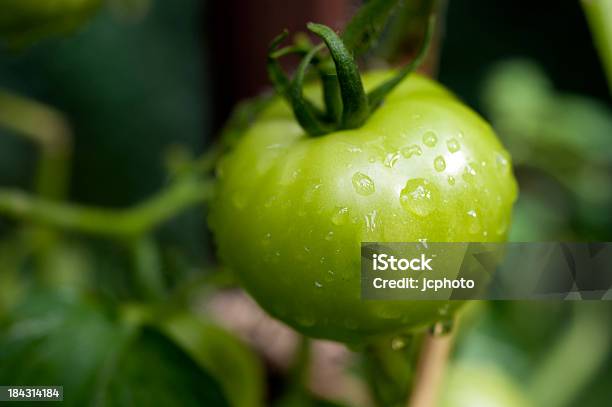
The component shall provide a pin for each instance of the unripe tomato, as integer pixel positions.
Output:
(292, 210)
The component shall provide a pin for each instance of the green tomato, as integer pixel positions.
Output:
(474, 385)
(292, 210)
(23, 21)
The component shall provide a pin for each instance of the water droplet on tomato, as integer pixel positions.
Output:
(318, 284)
(453, 145)
(330, 235)
(419, 196)
(439, 163)
(501, 163)
(340, 216)
(469, 173)
(474, 221)
(430, 139)
(363, 184)
(391, 159)
(411, 150)
(370, 220)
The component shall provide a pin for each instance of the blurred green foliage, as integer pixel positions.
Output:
(132, 82)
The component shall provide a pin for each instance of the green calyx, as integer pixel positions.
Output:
(347, 105)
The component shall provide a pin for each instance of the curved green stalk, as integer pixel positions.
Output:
(50, 131)
(119, 223)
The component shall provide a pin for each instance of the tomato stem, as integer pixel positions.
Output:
(355, 109)
(347, 106)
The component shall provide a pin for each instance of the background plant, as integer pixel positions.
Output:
(99, 299)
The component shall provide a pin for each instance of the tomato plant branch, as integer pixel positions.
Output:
(431, 367)
(117, 223)
(599, 16)
(50, 131)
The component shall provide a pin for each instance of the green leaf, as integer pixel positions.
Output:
(153, 371)
(234, 366)
(98, 358)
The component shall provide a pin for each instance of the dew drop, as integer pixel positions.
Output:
(469, 173)
(453, 145)
(439, 163)
(430, 139)
(391, 159)
(474, 221)
(329, 276)
(411, 150)
(330, 235)
(423, 242)
(318, 284)
(451, 180)
(501, 163)
(363, 184)
(370, 220)
(419, 196)
(266, 239)
(340, 216)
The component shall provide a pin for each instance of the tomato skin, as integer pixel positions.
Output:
(292, 210)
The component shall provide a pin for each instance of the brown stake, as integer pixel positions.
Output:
(431, 367)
